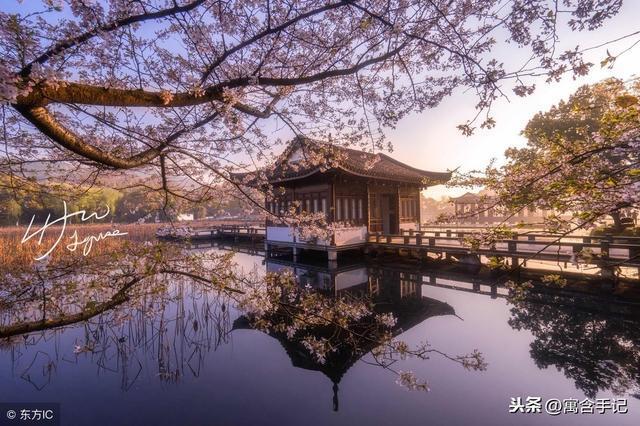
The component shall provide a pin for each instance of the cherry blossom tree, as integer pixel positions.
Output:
(175, 95)
(193, 89)
(581, 162)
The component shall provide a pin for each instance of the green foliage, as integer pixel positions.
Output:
(554, 280)
(22, 200)
(19, 205)
(581, 160)
(518, 291)
(136, 205)
(604, 230)
(10, 211)
(497, 262)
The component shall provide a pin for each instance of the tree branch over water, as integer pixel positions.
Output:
(117, 86)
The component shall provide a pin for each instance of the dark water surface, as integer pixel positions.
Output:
(192, 363)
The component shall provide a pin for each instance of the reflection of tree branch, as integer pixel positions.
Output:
(321, 323)
(117, 299)
(597, 350)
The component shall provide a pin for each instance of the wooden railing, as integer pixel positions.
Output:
(241, 231)
(608, 249)
(529, 236)
(611, 249)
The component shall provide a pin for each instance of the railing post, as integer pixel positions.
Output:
(604, 248)
(634, 253)
(512, 245)
(418, 238)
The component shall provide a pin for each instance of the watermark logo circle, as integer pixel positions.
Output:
(11, 414)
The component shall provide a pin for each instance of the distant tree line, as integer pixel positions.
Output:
(19, 206)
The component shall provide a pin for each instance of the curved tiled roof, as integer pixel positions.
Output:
(471, 197)
(318, 157)
(467, 196)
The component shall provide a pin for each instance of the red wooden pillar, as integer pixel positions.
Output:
(397, 209)
(332, 206)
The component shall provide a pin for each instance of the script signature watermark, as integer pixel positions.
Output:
(86, 243)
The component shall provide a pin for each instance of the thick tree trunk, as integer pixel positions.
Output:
(617, 222)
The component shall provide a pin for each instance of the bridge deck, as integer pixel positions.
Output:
(623, 251)
(606, 250)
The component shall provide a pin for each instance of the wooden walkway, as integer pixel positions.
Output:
(251, 233)
(236, 232)
(606, 250)
(612, 250)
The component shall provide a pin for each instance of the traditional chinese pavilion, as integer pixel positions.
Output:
(364, 192)
(484, 209)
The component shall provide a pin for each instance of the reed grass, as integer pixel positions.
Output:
(14, 254)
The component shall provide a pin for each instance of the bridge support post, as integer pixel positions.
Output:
(470, 259)
(634, 254)
(604, 249)
(494, 291)
(512, 247)
(609, 278)
(424, 255)
(607, 271)
(332, 257)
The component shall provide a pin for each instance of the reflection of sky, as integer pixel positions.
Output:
(249, 379)
(431, 141)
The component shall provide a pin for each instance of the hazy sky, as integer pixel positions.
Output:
(431, 141)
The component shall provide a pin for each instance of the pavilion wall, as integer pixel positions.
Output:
(350, 201)
(409, 207)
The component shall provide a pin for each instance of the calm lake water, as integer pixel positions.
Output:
(191, 362)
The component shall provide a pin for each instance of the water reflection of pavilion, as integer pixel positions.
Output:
(593, 340)
(390, 291)
(403, 289)
(407, 277)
